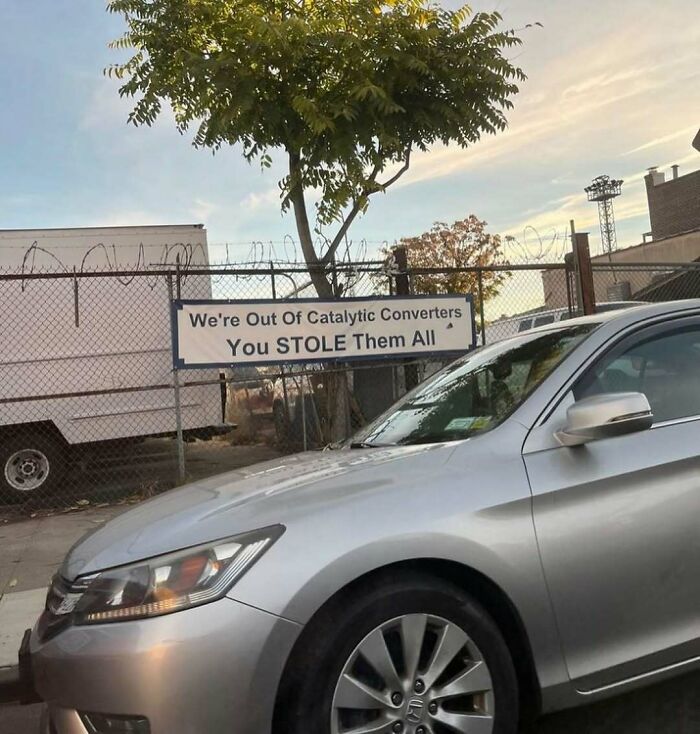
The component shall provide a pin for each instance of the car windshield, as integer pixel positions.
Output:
(475, 393)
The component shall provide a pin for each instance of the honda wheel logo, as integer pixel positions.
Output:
(414, 712)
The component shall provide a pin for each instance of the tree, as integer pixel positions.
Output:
(347, 89)
(464, 244)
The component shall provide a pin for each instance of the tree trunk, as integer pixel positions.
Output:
(336, 382)
(339, 417)
(296, 196)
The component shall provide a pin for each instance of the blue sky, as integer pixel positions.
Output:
(613, 88)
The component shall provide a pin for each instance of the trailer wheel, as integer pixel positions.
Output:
(30, 465)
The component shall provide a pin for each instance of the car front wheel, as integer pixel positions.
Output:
(408, 654)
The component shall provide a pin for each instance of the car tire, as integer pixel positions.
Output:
(32, 465)
(315, 689)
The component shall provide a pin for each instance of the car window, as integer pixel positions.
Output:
(666, 368)
(524, 325)
(544, 320)
(475, 393)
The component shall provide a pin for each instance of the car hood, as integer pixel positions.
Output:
(247, 499)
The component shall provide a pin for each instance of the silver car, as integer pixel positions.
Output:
(517, 535)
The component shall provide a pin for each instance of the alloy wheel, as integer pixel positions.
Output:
(415, 674)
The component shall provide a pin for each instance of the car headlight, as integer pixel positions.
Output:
(160, 585)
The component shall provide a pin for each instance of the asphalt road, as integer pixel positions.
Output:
(672, 707)
(19, 719)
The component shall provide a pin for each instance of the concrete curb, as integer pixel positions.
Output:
(10, 689)
(18, 611)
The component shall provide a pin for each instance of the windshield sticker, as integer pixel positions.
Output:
(471, 423)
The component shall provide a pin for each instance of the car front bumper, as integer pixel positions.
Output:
(214, 668)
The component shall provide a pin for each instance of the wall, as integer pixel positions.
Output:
(674, 205)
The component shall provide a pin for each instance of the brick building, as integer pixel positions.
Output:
(674, 204)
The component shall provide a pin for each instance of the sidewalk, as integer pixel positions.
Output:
(30, 553)
(32, 550)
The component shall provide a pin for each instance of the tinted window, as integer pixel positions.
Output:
(525, 325)
(543, 320)
(666, 368)
(475, 393)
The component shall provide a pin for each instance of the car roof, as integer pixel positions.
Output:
(559, 309)
(628, 316)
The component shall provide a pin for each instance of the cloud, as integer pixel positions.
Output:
(106, 113)
(689, 158)
(686, 131)
(548, 123)
(601, 81)
(557, 213)
(126, 218)
(105, 109)
(256, 200)
(202, 209)
(575, 98)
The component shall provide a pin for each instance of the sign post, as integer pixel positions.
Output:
(226, 333)
(178, 402)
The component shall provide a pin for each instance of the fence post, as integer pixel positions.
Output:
(569, 272)
(76, 298)
(403, 288)
(178, 279)
(584, 271)
(176, 382)
(481, 307)
(303, 413)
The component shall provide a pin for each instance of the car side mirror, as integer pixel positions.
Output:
(605, 416)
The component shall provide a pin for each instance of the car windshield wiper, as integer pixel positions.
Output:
(369, 445)
(435, 438)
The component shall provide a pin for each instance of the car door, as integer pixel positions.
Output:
(618, 520)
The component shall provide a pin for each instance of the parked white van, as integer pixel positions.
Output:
(88, 359)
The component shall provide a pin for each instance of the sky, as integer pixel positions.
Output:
(613, 88)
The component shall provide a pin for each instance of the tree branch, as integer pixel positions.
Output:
(337, 240)
(357, 206)
(400, 172)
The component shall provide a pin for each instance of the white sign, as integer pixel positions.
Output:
(225, 333)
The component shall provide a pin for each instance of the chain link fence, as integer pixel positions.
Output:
(91, 411)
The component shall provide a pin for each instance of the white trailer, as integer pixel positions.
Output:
(87, 358)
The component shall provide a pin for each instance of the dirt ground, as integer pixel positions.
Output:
(101, 475)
